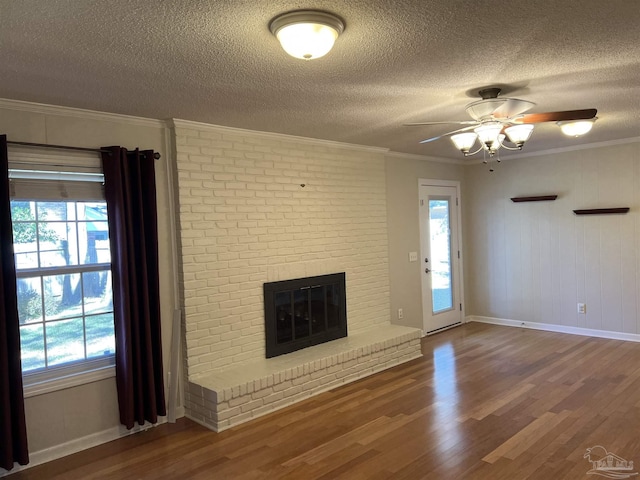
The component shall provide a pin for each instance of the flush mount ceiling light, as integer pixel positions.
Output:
(307, 34)
(575, 129)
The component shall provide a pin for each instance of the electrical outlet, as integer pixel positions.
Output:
(413, 256)
(582, 308)
(400, 313)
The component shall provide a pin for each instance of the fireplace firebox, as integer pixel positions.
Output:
(303, 312)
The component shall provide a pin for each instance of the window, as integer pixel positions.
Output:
(63, 269)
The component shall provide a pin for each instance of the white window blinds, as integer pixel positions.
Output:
(45, 175)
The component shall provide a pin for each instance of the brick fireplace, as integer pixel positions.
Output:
(258, 208)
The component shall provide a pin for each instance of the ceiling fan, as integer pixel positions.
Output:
(497, 120)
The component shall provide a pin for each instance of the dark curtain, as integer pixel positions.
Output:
(13, 429)
(130, 192)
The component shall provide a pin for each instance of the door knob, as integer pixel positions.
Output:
(426, 270)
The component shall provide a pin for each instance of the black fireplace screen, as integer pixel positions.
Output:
(304, 312)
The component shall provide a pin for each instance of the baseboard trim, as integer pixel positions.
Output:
(587, 332)
(83, 443)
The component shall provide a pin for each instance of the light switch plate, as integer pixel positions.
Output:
(413, 256)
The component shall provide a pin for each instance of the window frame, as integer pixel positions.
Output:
(28, 165)
(68, 375)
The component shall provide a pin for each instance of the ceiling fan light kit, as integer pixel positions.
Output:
(491, 137)
(307, 34)
(577, 128)
(496, 119)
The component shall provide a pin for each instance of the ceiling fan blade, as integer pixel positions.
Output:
(433, 139)
(512, 107)
(464, 122)
(567, 115)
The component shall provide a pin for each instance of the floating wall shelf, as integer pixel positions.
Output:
(601, 211)
(539, 198)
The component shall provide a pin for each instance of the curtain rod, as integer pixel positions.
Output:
(156, 155)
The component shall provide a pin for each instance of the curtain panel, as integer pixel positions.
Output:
(130, 193)
(13, 429)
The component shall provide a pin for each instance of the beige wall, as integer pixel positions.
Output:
(533, 262)
(246, 219)
(63, 416)
(403, 173)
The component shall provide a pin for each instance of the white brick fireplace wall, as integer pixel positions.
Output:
(258, 207)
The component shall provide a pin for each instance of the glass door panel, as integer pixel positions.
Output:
(440, 259)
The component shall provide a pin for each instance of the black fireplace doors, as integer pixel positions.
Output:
(303, 312)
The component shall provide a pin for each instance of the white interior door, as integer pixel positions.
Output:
(440, 259)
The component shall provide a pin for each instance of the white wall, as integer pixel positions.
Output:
(62, 417)
(246, 219)
(534, 262)
(403, 173)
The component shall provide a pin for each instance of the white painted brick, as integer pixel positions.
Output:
(301, 380)
(282, 385)
(209, 134)
(229, 413)
(265, 392)
(199, 350)
(196, 415)
(311, 385)
(200, 367)
(327, 379)
(293, 391)
(252, 405)
(252, 183)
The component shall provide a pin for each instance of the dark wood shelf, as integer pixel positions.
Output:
(601, 211)
(539, 198)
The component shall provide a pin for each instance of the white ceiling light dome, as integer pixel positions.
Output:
(578, 127)
(307, 34)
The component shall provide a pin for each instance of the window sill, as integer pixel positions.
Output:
(34, 388)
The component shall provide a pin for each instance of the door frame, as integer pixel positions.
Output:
(429, 182)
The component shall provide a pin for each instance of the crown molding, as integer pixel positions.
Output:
(45, 109)
(178, 123)
(585, 146)
(425, 158)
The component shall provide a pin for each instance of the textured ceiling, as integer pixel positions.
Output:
(397, 61)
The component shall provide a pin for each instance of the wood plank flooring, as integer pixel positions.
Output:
(485, 402)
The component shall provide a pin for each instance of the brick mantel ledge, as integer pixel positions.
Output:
(225, 398)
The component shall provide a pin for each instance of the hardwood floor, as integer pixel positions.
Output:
(485, 402)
